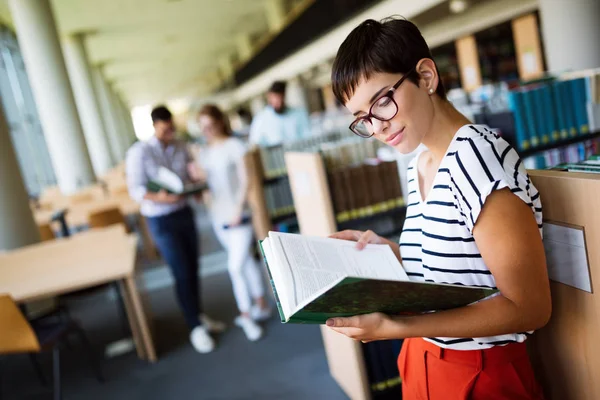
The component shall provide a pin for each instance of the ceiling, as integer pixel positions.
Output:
(157, 50)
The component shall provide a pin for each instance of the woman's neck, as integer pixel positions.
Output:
(446, 122)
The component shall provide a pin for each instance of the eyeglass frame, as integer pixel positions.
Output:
(390, 93)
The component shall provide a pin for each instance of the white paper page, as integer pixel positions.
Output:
(169, 180)
(281, 278)
(566, 256)
(317, 263)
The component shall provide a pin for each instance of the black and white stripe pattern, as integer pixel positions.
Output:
(437, 243)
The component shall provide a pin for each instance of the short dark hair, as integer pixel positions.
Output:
(278, 87)
(393, 45)
(161, 113)
(218, 116)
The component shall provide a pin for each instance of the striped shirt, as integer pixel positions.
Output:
(142, 163)
(437, 243)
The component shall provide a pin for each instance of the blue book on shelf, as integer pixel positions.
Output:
(515, 104)
(559, 110)
(541, 119)
(551, 118)
(567, 98)
(530, 116)
(579, 98)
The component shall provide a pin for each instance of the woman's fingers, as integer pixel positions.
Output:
(348, 234)
(366, 238)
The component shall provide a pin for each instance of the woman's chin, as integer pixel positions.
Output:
(405, 148)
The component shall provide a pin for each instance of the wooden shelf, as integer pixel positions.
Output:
(356, 221)
(274, 179)
(559, 144)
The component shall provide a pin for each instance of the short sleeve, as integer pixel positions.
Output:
(481, 165)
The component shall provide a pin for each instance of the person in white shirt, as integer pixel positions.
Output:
(222, 163)
(278, 123)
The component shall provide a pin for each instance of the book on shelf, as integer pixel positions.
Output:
(167, 180)
(314, 279)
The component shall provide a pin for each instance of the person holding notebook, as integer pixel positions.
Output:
(473, 218)
(171, 220)
(222, 163)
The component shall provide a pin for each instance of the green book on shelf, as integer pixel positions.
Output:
(314, 279)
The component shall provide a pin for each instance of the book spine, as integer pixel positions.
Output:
(530, 113)
(559, 110)
(550, 114)
(515, 104)
(540, 116)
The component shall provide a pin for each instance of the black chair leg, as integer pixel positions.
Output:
(35, 361)
(56, 373)
(122, 310)
(94, 361)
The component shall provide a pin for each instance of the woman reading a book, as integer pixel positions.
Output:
(223, 165)
(473, 218)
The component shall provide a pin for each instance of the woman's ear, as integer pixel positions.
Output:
(428, 75)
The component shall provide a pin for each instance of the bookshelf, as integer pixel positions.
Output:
(559, 144)
(316, 213)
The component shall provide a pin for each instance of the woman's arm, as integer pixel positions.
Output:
(508, 239)
(241, 196)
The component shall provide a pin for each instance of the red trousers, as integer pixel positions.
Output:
(430, 372)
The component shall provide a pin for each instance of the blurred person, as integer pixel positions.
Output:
(222, 162)
(171, 220)
(278, 123)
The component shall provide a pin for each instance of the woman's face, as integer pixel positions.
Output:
(405, 131)
(210, 128)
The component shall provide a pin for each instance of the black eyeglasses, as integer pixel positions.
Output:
(383, 109)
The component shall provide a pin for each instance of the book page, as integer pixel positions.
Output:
(169, 180)
(281, 277)
(316, 264)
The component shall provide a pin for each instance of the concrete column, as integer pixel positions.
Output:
(87, 103)
(38, 39)
(295, 94)
(18, 227)
(129, 121)
(257, 105)
(111, 123)
(123, 128)
(570, 30)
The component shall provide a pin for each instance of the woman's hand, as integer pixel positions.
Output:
(368, 237)
(361, 238)
(367, 327)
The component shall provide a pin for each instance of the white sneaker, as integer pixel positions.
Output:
(212, 325)
(201, 340)
(261, 314)
(252, 330)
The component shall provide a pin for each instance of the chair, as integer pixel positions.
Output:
(18, 336)
(107, 217)
(46, 232)
(103, 219)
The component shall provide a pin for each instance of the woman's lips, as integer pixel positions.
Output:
(395, 138)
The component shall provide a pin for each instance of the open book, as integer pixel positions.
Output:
(314, 279)
(167, 180)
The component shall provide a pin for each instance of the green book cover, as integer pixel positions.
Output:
(189, 189)
(355, 296)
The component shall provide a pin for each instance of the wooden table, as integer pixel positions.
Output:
(78, 215)
(89, 259)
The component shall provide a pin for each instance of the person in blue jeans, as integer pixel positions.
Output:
(171, 220)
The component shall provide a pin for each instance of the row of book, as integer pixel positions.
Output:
(381, 361)
(590, 165)
(278, 197)
(350, 151)
(365, 189)
(555, 109)
(573, 153)
(273, 157)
